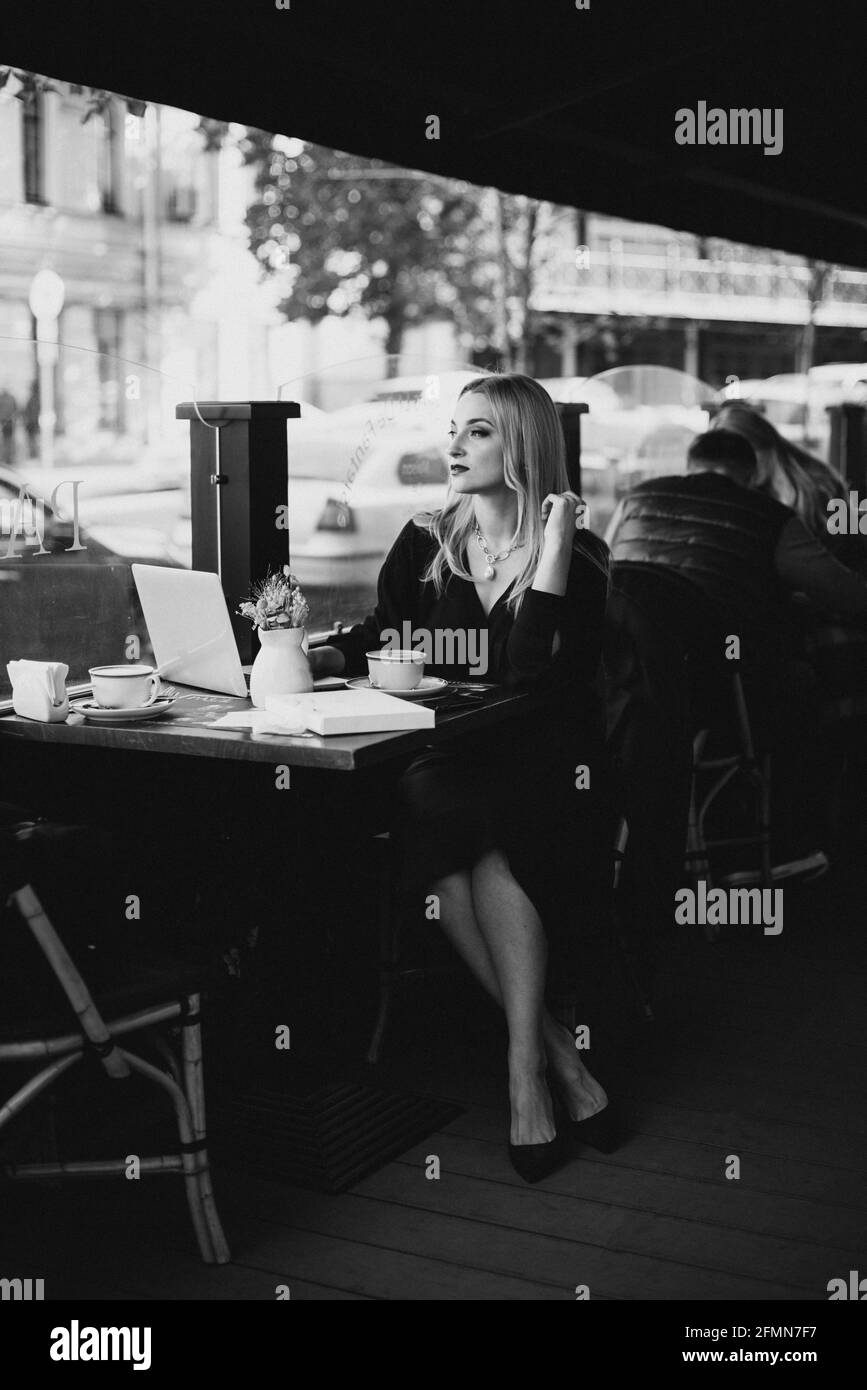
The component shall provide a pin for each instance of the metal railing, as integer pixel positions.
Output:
(676, 273)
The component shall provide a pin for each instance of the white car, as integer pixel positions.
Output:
(349, 495)
(357, 474)
(345, 510)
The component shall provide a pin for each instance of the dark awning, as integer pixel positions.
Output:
(533, 96)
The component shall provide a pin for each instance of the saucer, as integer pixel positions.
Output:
(427, 686)
(91, 710)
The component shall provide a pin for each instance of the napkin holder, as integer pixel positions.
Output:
(34, 691)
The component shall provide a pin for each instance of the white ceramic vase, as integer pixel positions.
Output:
(281, 666)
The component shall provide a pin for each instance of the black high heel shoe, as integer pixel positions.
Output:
(533, 1162)
(600, 1131)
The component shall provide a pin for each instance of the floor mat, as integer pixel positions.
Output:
(326, 1138)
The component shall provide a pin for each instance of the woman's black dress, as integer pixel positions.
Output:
(514, 786)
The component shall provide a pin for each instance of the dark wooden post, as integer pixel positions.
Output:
(236, 489)
(570, 418)
(848, 452)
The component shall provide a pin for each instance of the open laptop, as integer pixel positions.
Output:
(189, 628)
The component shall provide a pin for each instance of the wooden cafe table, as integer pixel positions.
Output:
(184, 732)
(178, 772)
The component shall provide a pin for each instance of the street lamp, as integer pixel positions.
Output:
(47, 293)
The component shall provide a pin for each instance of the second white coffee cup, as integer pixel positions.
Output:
(395, 670)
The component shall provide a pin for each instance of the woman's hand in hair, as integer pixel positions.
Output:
(562, 514)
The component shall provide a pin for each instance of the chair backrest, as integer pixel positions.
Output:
(665, 644)
(570, 418)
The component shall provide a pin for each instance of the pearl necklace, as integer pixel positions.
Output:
(490, 572)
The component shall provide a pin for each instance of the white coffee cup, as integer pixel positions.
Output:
(124, 687)
(395, 670)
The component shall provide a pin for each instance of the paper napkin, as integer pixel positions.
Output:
(39, 690)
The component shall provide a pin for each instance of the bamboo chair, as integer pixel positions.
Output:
(61, 1050)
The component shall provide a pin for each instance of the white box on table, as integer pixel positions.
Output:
(353, 711)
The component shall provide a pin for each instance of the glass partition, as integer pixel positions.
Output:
(94, 476)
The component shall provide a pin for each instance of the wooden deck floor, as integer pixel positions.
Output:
(759, 1051)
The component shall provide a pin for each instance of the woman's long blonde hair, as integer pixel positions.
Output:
(785, 471)
(534, 464)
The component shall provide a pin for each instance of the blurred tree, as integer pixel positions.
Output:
(400, 245)
(348, 233)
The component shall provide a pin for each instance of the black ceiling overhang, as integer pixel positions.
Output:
(534, 96)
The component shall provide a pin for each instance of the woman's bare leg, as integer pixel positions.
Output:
(515, 937)
(459, 921)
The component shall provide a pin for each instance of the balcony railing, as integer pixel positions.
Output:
(621, 281)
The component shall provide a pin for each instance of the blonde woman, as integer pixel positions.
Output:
(496, 829)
